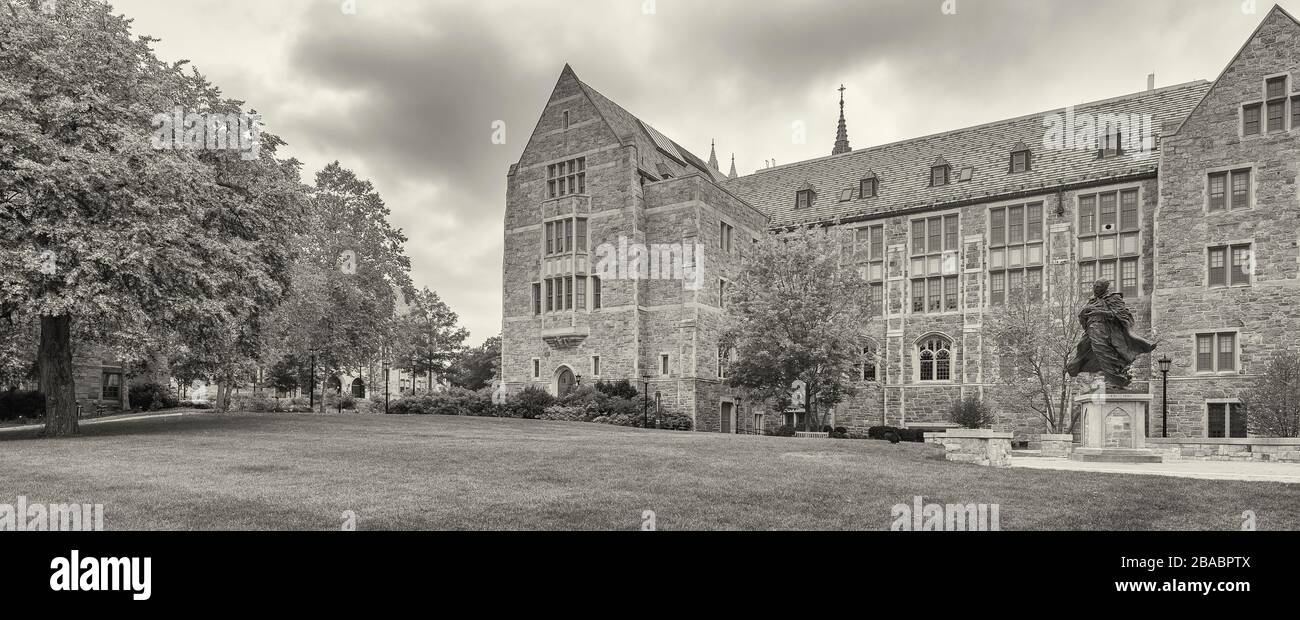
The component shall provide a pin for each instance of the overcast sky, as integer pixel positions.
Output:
(405, 91)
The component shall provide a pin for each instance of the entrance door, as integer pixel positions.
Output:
(564, 383)
(728, 417)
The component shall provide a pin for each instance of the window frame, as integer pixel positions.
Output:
(1001, 250)
(1028, 162)
(942, 345)
(862, 186)
(1097, 263)
(946, 170)
(1230, 406)
(800, 195)
(1216, 352)
(563, 175)
(1229, 174)
(927, 258)
(869, 254)
(1229, 263)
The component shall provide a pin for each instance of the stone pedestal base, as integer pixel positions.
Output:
(1114, 429)
(1058, 446)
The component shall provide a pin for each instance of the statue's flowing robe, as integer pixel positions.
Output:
(1108, 345)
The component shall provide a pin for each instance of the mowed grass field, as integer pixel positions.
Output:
(303, 471)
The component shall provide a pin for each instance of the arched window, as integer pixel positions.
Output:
(358, 388)
(934, 359)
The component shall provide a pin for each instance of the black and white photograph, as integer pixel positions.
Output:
(1007, 289)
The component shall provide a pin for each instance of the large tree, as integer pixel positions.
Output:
(103, 233)
(476, 367)
(429, 337)
(795, 313)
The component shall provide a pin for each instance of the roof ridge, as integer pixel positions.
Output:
(1133, 95)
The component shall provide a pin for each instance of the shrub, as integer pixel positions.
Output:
(564, 414)
(15, 404)
(189, 404)
(971, 412)
(455, 401)
(152, 397)
(785, 430)
(839, 432)
(529, 403)
(895, 434)
(618, 389)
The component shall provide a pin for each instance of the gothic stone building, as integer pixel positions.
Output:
(1185, 197)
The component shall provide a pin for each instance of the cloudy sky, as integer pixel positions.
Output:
(405, 91)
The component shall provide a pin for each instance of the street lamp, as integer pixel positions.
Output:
(1164, 399)
(385, 385)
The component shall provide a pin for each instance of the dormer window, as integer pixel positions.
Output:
(1019, 158)
(939, 172)
(868, 186)
(966, 174)
(1110, 142)
(803, 198)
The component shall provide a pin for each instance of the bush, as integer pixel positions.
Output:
(189, 404)
(152, 397)
(564, 414)
(618, 389)
(971, 412)
(785, 430)
(529, 403)
(455, 401)
(839, 432)
(895, 434)
(15, 404)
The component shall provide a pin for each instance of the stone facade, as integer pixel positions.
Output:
(643, 187)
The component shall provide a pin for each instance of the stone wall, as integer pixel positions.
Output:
(1252, 449)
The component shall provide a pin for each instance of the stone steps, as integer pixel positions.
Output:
(1116, 455)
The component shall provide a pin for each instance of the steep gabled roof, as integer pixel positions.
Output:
(903, 168)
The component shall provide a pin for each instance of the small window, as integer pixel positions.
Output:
(595, 293)
(1216, 352)
(537, 368)
(1229, 191)
(722, 293)
(867, 188)
(1020, 161)
(595, 365)
(724, 237)
(803, 198)
(867, 365)
(663, 364)
(1250, 119)
(1295, 113)
(1225, 420)
(566, 119)
(537, 298)
(967, 174)
(1229, 265)
(938, 176)
(112, 386)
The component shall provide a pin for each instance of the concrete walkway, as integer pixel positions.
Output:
(1258, 471)
(110, 419)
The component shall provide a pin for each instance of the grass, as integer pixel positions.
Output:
(302, 471)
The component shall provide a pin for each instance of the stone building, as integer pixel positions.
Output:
(1144, 189)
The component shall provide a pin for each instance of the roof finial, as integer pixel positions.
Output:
(713, 154)
(842, 133)
(732, 174)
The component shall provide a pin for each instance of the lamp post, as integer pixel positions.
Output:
(311, 388)
(1164, 399)
(385, 385)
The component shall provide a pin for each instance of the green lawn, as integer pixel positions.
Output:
(302, 471)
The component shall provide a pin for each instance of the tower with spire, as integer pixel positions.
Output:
(732, 174)
(841, 134)
(713, 155)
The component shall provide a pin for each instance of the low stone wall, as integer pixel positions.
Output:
(1055, 445)
(980, 446)
(1286, 450)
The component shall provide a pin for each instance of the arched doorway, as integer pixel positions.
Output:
(334, 384)
(358, 388)
(565, 382)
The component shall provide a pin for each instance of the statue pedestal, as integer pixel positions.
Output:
(1114, 429)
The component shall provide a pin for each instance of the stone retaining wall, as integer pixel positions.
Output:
(1285, 450)
(980, 446)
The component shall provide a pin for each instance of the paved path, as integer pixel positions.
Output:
(1210, 470)
(109, 419)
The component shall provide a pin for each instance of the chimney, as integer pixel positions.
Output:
(1151, 81)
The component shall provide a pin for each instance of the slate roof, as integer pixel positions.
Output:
(627, 125)
(903, 168)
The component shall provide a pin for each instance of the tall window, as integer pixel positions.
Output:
(537, 368)
(934, 264)
(724, 237)
(934, 359)
(722, 293)
(1295, 112)
(567, 177)
(1109, 240)
(867, 364)
(1229, 265)
(581, 283)
(595, 365)
(537, 298)
(595, 293)
(869, 252)
(1216, 352)
(1015, 251)
(663, 364)
(1250, 119)
(1225, 420)
(560, 235)
(1229, 191)
(1275, 92)
(550, 294)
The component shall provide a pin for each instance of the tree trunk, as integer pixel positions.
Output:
(56, 376)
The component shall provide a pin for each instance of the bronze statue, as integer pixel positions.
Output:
(1108, 344)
